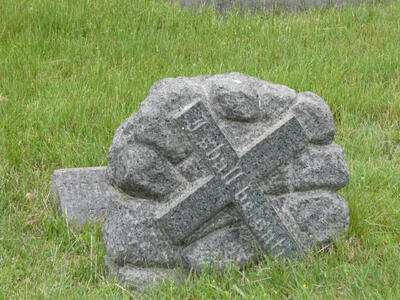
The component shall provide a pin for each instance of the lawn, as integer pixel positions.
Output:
(72, 71)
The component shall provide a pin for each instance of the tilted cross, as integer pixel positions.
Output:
(235, 180)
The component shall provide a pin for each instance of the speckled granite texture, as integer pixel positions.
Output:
(214, 170)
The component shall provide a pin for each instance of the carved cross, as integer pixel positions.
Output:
(235, 180)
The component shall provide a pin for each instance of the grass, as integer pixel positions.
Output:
(72, 71)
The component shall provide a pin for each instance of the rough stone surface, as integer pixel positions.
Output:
(141, 278)
(140, 171)
(234, 100)
(232, 244)
(249, 154)
(315, 217)
(315, 117)
(131, 236)
(214, 170)
(317, 167)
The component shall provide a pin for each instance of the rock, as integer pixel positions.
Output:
(234, 180)
(231, 245)
(193, 168)
(315, 117)
(275, 100)
(131, 236)
(234, 99)
(216, 170)
(164, 137)
(315, 217)
(140, 171)
(171, 94)
(143, 278)
(319, 167)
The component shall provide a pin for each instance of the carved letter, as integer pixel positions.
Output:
(195, 125)
(241, 195)
(240, 173)
(220, 165)
(216, 155)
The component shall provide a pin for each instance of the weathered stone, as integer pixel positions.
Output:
(163, 137)
(233, 245)
(213, 169)
(315, 117)
(82, 194)
(315, 217)
(131, 236)
(275, 100)
(318, 167)
(227, 216)
(234, 99)
(140, 171)
(170, 94)
(141, 278)
(230, 182)
(146, 144)
(193, 168)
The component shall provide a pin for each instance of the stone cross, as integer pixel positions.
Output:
(235, 180)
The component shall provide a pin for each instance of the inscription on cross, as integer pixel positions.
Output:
(235, 180)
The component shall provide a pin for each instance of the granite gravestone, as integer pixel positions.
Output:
(212, 170)
(265, 5)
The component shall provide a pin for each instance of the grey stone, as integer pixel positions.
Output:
(131, 236)
(227, 216)
(275, 100)
(230, 182)
(315, 117)
(318, 167)
(142, 278)
(170, 94)
(267, 5)
(161, 135)
(82, 194)
(235, 100)
(215, 170)
(140, 171)
(231, 245)
(193, 168)
(315, 217)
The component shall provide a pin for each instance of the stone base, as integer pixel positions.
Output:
(142, 278)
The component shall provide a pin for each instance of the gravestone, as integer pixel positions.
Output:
(265, 5)
(212, 170)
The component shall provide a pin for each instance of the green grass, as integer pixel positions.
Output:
(72, 71)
